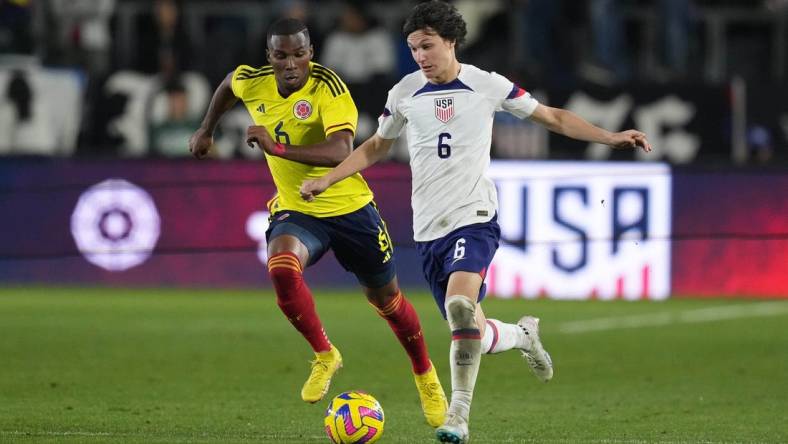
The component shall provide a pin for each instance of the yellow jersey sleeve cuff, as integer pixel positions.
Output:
(339, 127)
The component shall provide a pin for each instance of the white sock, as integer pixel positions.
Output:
(465, 353)
(500, 337)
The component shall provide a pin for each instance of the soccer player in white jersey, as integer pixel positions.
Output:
(447, 110)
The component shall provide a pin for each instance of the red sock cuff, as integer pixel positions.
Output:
(391, 307)
(285, 260)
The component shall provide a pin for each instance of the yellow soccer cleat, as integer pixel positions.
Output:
(433, 399)
(323, 368)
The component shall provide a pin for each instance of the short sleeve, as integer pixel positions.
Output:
(339, 113)
(237, 84)
(512, 98)
(391, 120)
(519, 103)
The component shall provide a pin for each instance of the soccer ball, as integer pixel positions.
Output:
(354, 417)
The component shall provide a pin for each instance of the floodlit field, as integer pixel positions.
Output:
(162, 366)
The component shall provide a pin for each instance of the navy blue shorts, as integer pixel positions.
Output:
(360, 241)
(470, 248)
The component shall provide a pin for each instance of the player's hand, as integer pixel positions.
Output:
(630, 139)
(258, 134)
(313, 187)
(200, 143)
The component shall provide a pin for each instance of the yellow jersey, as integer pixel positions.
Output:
(307, 116)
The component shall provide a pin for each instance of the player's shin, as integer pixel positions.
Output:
(404, 322)
(295, 300)
(465, 352)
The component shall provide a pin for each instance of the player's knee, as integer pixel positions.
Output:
(381, 297)
(460, 312)
(284, 270)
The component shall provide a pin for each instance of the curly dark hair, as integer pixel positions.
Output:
(439, 16)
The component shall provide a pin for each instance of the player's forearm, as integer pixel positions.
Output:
(223, 99)
(327, 154)
(574, 126)
(367, 154)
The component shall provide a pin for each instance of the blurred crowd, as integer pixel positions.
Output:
(145, 69)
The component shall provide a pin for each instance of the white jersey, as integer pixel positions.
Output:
(449, 130)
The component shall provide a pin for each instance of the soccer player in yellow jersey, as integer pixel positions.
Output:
(305, 120)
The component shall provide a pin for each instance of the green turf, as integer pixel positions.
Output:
(160, 366)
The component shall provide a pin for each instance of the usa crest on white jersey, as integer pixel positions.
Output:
(444, 108)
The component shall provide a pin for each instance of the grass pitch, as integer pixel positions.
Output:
(162, 366)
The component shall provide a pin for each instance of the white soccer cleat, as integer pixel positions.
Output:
(533, 352)
(454, 430)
